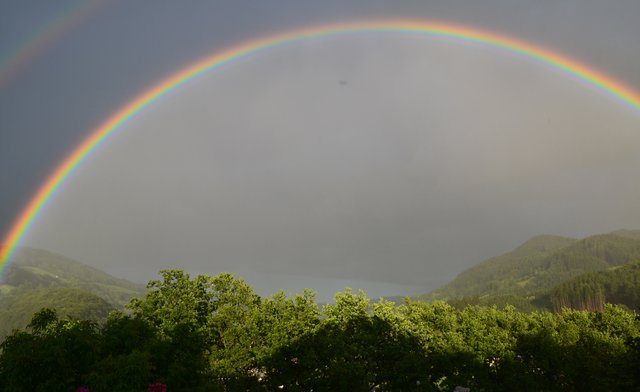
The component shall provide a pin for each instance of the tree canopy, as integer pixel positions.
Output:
(214, 333)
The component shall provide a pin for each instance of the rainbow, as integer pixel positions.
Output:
(56, 180)
(45, 36)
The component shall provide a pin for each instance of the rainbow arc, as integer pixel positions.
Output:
(29, 215)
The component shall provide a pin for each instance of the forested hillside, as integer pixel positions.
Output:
(591, 254)
(528, 276)
(505, 274)
(633, 234)
(618, 285)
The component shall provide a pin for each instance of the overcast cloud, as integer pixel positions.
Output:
(390, 162)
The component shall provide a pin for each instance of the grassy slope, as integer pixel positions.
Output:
(38, 279)
(16, 310)
(35, 268)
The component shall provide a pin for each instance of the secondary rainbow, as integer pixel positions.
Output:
(44, 37)
(43, 196)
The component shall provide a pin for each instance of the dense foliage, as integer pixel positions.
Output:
(215, 333)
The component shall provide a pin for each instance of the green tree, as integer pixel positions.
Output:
(220, 313)
(55, 355)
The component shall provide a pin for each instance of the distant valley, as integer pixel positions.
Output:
(544, 273)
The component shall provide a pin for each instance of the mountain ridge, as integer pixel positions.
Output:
(530, 272)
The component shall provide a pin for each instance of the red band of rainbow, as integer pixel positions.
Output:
(29, 215)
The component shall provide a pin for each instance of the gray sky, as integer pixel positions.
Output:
(433, 156)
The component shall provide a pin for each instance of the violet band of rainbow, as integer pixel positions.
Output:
(20, 228)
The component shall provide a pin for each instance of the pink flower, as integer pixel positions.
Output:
(82, 389)
(157, 388)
